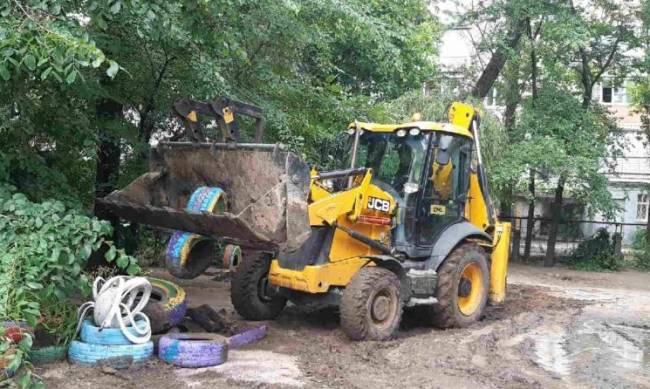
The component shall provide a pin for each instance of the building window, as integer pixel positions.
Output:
(492, 98)
(642, 207)
(610, 95)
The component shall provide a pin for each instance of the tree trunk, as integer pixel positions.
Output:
(556, 212)
(530, 221)
(108, 157)
(530, 225)
(647, 230)
(498, 59)
(107, 170)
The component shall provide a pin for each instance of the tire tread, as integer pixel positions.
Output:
(354, 304)
(443, 314)
(243, 291)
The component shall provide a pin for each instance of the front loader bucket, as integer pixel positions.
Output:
(266, 193)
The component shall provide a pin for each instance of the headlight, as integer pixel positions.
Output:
(414, 131)
(350, 131)
(401, 133)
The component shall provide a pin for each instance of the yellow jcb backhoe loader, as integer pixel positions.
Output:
(408, 223)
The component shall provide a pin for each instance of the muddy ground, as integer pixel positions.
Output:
(558, 328)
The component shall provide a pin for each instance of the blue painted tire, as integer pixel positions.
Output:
(90, 333)
(193, 349)
(92, 354)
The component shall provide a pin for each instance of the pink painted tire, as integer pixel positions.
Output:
(193, 349)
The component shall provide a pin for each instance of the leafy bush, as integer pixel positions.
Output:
(641, 250)
(43, 250)
(596, 253)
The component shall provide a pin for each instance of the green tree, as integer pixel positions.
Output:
(565, 143)
(101, 76)
(641, 89)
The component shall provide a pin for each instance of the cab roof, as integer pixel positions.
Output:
(422, 125)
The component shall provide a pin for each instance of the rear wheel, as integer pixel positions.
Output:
(371, 306)
(250, 293)
(462, 290)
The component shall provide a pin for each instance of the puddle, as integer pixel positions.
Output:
(625, 347)
(256, 366)
(550, 353)
(596, 350)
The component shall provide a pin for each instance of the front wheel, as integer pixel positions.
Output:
(371, 305)
(462, 290)
(250, 293)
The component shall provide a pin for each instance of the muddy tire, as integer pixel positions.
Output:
(462, 290)
(371, 306)
(249, 291)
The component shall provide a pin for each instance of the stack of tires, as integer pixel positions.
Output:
(108, 346)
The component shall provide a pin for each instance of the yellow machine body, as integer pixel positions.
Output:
(349, 208)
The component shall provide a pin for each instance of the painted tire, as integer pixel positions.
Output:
(122, 355)
(206, 199)
(90, 333)
(188, 255)
(167, 305)
(193, 349)
(43, 355)
(248, 336)
(231, 256)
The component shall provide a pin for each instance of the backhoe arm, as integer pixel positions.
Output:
(224, 111)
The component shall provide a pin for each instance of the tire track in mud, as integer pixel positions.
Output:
(492, 353)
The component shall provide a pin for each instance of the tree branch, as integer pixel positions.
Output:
(609, 60)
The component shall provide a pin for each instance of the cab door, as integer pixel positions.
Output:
(446, 183)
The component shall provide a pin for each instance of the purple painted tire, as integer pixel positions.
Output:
(193, 349)
(247, 336)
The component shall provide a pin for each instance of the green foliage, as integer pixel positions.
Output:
(557, 137)
(596, 253)
(16, 355)
(43, 249)
(641, 250)
(59, 318)
(312, 66)
(48, 39)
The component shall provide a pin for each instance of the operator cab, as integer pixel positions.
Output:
(425, 167)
